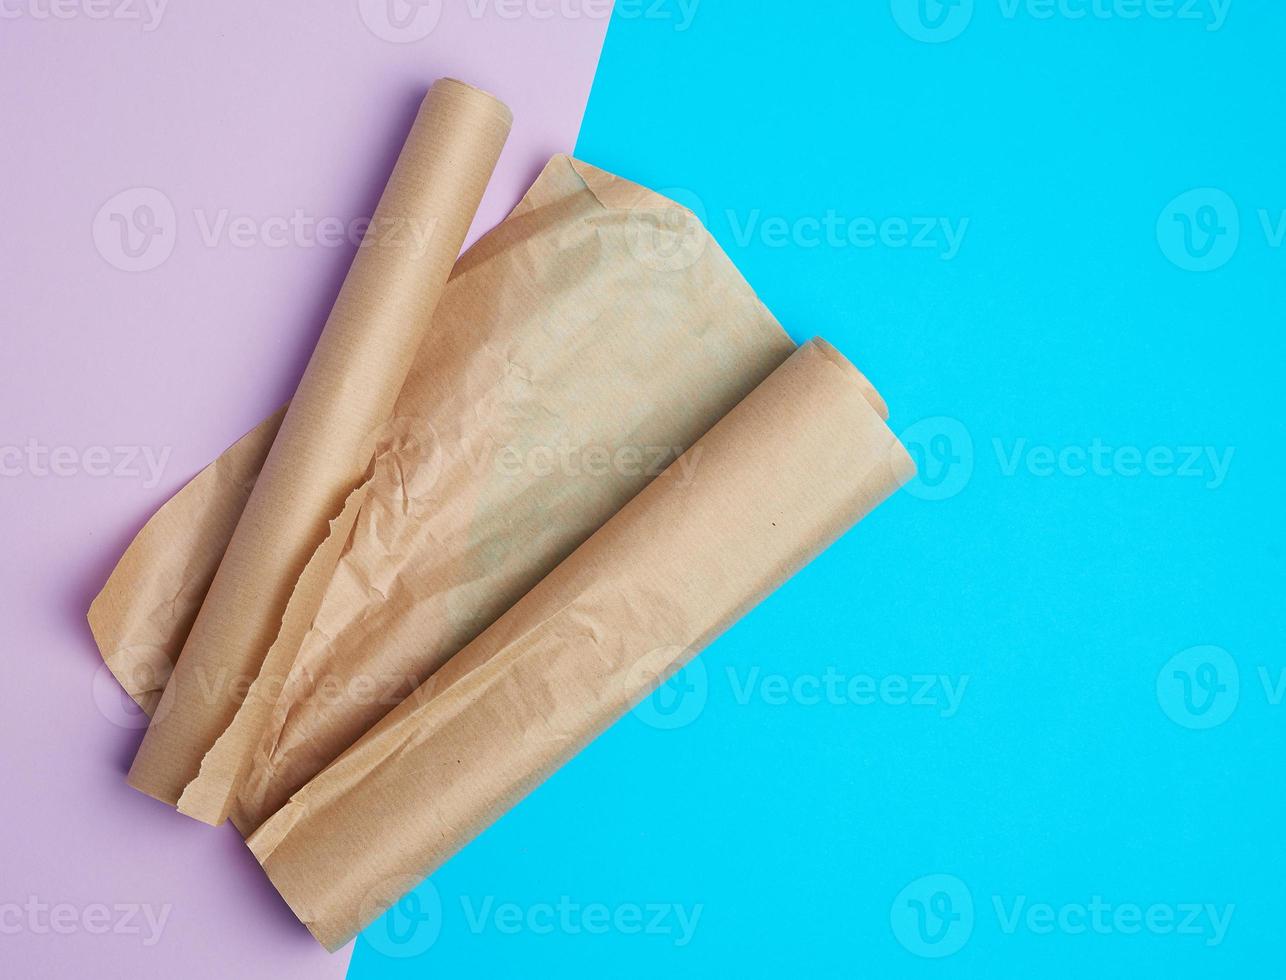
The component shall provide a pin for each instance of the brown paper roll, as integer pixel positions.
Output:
(789, 469)
(599, 318)
(329, 432)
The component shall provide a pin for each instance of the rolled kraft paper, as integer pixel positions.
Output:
(795, 464)
(567, 328)
(325, 442)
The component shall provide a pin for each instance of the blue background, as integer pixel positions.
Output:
(1074, 766)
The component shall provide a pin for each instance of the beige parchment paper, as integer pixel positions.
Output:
(796, 463)
(510, 574)
(578, 350)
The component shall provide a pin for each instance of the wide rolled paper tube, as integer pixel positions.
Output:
(796, 463)
(326, 440)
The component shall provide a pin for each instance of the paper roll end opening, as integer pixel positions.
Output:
(827, 350)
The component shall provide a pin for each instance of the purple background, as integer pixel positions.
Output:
(250, 108)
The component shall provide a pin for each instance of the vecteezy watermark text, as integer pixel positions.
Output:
(934, 917)
(36, 459)
(136, 230)
(1098, 916)
(566, 459)
(938, 21)
(941, 235)
(681, 698)
(946, 460)
(1098, 458)
(567, 917)
(408, 21)
(146, 12)
(414, 916)
(41, 918)
(836, 688)
(1210, 13)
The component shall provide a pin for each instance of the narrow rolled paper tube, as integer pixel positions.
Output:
(326, 439)
(795, 464)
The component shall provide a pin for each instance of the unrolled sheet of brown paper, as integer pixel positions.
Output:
(801, 459)
(327, 437)
(578, 349)
(598, 317)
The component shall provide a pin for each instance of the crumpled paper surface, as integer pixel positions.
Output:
(577, 351)
(606, 450)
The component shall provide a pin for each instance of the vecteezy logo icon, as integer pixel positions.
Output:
(410, 917)
(136, 229)
(932, 21)
(113, 703)
(942, 449)
(145, 669)
(676, 702)
(666, 238)
(932, 917)
(1199, 687)
(1199, 231)
(406, 453)
(400, 21)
